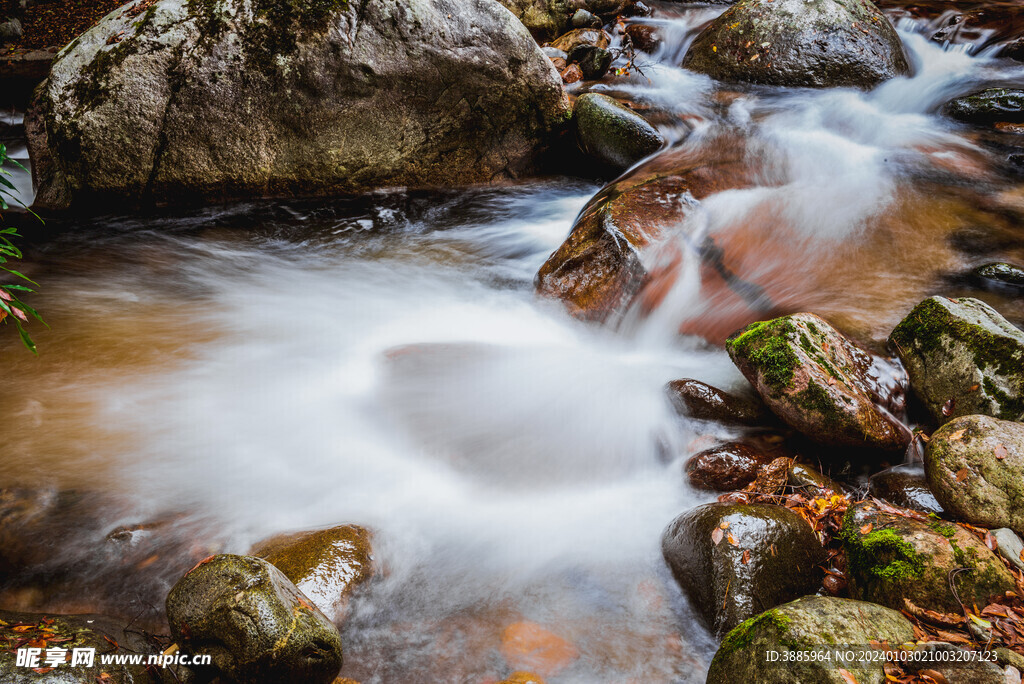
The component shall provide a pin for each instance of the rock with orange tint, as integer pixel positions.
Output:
(326, 565)
(822, 384)
(598, 272)
(522, 678)
(528, 645)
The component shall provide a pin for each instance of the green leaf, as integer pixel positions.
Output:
(26, 340)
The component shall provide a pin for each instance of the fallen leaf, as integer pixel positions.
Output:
(746, 556)
(732, 539)
(958, 435)
(724, 525)
(717, 535)
(1000, 452)
(867, 528)
(962, 474)
(948, 408)
(847, 676)
(933, 675)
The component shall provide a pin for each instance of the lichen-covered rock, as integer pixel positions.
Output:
(725, 468)
(254, 623)
(326, 565)
(702, 401)
(894, 557)
(197, 100)
(812, 624)
(975, 466)
(612, 133)
(995, 104)
(804, 43)
(737, 560)
(820, 383)
(905, 485)
(70, 632)
(963, 358)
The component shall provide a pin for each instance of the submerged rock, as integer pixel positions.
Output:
(325, 565)
(820, 383)
(893, 557)
(988, 106)
(808, 624)
(975, 466)
(736, 560)
(612, 133)
(1000, 276)
(963, 358)
(726, 468)
(699, 400)
(808, 43)
(212, 99)
(906, 486)
(529, 645)
(257, 626)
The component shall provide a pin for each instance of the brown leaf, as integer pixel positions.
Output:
(948, 408)
(724, 525)
(932, 674)
(1000, 452)
(847, 676)
(746, 556)
(717, 535)
(732, 539)
(974, 388)
(958, 435)
(866, 529)
(962, 474)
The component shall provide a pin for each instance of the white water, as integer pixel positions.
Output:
(391, 367)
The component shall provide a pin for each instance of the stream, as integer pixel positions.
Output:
(213, 377)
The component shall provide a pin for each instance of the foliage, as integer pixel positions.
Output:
(11, 306)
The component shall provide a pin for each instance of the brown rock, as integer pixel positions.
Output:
(702, 401)
(578, 37)
(725, 468)
(645, 37)
(325, 565)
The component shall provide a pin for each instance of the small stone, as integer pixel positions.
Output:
(725, 468)
(594, 61)
(576, 37)
(1009, 546)
(699, 400)
(645, 37)
(812, 482)
(584, 19)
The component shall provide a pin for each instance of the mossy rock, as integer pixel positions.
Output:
(820, 383)
(811, 624)
(806, 43)
(612, 133)
(254, 623)
(774, 559)
(975, 466)
(545, 19)
(963, 358)
(994, 104)
(69, 632)
(906, 486)
(894, 557)
(326, 565)
(1000, 276)
(206, 100)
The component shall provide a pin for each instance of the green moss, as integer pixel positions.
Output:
(93, 85)
(881, 555)
(743, 634)
(766, 345)
(1010, 408)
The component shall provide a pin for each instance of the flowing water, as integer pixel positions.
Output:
(228, 374)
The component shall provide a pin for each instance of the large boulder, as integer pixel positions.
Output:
(804, 43)
(69, 637)
(255, 624)
(975, 466)
(326, 565)
(737, 560)
(963, 358)
(893, 558)
(820, 383)
(206, 99)
(814, 625)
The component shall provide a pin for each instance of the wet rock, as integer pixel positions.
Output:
(529, 645)
(1009, 546)
(807, 624)
(905, 486)
(612, 133)
(325, 565)
(963, 358)
(989, 106)
(69, 632)
(1000, 276)
(645, 37)
(577, 37)
(699, 400)
(257, 626)
(572, 74)
(638, 9)
(584, 19)
(722, 556)
(893, 557)
(184, 102)
(597, 272)
(812, 482)
(804, 43)
(820, 383)
(725, 468)
(975, 466)
(594, 61)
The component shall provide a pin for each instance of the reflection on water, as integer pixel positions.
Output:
(214, 378)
